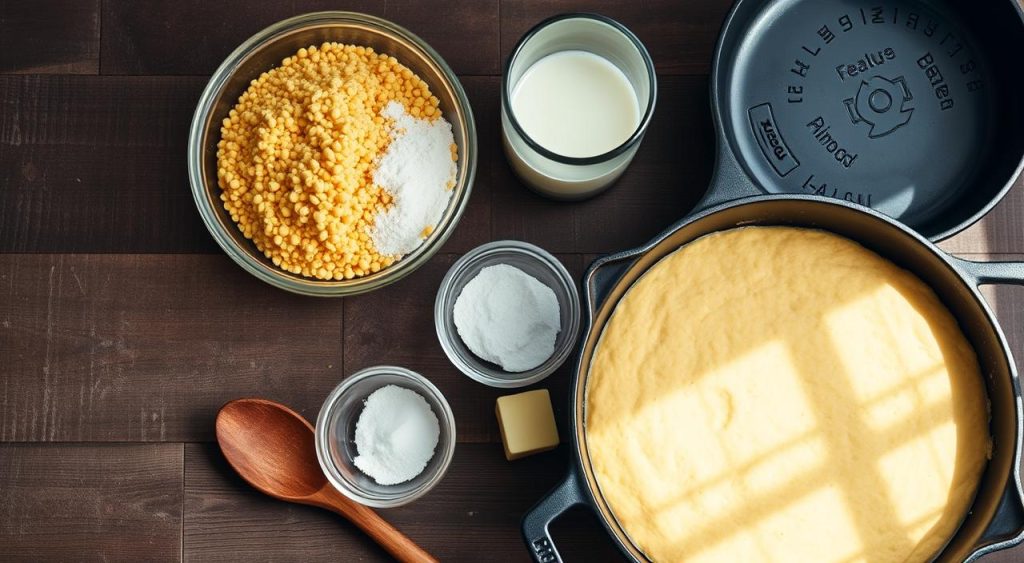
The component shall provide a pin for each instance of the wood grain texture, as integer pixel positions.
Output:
(97, 164)
(406, 336)
(194, 36)
(999, 232)
(669, 174)
(472, 515)
(147, 348)
(144, 345)
(50, 36)
(272, 448)
(91, 502)
(680, 36)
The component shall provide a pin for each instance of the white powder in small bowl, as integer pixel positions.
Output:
(395, 435)
(507, 317)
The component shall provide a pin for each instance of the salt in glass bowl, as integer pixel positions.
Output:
(336, 428)
(535, 262)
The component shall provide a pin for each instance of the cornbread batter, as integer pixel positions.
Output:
(782, 394)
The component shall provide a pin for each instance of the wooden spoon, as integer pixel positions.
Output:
(272, 448)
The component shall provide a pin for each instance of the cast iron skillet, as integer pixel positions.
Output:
(996, 519)
(938, 171)
(911, 107)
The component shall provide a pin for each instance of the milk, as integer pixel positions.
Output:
(577, 95)
(576, 104)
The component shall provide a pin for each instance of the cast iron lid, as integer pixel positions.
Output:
(884, 104)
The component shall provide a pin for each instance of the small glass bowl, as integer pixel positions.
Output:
(535, 262)
(336, 429)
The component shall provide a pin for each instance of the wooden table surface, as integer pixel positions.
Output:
(123, 327)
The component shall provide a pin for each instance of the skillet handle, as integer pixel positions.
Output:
(729, 183)
(1007, 526)
(602, 275)
(988, 273)
(564, 496)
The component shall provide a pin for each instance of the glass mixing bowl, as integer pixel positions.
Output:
(264, 51)
(336, 428)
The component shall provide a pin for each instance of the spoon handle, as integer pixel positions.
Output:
(387, 536)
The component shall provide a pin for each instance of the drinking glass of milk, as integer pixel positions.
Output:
(577, 95)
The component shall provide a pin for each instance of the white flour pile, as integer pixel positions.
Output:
(507, 317)
(395, 435)
(418, 171)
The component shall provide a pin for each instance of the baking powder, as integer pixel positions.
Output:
(395, 435)
(418, 170)
(507, 317)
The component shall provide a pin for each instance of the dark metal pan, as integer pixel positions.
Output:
(996, 519)
(911, 107)
(937, 171)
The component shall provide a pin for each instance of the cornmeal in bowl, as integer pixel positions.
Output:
(784, 394)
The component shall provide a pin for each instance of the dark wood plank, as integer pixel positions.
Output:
(194, 36)
(999, 232)
(148, 347)
(1014, 555)
(680, 36)
(91, 502)
(128, 347)
(670, 173)
(1008, 304)
(472, 515)
(50, 36)
(97, 164)
(405, 336)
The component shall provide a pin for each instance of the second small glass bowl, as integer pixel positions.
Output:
(336, 428)
(535, 262)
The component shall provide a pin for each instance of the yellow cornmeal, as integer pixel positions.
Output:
(297, 153)
(780, 394)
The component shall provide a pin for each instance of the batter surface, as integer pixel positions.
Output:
(783, 394)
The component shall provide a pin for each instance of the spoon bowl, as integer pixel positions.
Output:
(272, 447)
(277, 439)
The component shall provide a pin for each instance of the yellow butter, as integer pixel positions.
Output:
(527, 423)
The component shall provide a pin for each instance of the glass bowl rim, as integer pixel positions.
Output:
(445, 300)
(271, 274)
(347, 487)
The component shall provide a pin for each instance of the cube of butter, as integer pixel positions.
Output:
(527, 423)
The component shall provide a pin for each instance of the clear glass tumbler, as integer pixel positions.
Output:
(552, 174)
